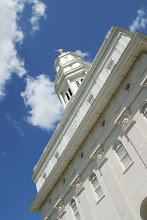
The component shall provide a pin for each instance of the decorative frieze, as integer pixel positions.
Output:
(78, 185)
(60, 208)
(99, 155)
(125, 120)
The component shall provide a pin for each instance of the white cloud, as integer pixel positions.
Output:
(40, 96)
(82, 54)
(15, 125)
(38, 11)
(140, 21)
(10, 34)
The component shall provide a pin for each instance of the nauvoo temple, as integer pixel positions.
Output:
(95, 164)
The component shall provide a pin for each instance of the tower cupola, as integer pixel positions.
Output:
(70, 72)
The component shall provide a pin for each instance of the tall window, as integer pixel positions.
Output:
(144, 110)
(122, 154)
(75, 210)
(68, 94)
(96, 185)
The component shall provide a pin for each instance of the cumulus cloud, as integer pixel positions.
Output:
(38, 11)
(82, 54)
(15, 124)
(40, 97)
(11, 34)
(140, 21)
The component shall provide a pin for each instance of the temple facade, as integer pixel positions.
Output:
(95, 164)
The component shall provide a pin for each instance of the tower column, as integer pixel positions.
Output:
(70, 85)
(62, 100)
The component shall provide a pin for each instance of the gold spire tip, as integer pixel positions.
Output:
(60, 51)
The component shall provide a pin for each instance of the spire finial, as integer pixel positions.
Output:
(60, 51)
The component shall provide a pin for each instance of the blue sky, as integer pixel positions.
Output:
(29, 110)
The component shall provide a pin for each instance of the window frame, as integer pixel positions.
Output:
(75, 209)
(96, 186)
(125, 165)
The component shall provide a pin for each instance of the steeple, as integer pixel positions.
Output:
(70, 72)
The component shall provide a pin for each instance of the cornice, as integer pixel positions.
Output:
(75, 72)
(106, 43)
(84, 64)
(64, 54)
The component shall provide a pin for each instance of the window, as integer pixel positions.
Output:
(78, 84)
(122, 154)
(82, 155)
(144, 110)
(128, 87)
(75, 210)
(103, 123)
(96, 185)
(68, 94)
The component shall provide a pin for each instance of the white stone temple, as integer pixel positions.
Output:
(95, 164)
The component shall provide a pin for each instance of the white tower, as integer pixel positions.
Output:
(70, 72)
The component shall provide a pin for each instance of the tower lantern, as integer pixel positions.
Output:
(70, 72)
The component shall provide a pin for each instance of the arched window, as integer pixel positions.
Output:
(96, 185)
(75, 210)
(122, 154)
(143, 209)
(144, 109)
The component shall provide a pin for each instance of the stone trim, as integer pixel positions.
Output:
(99, 155)
(78, 185)
(60, 208)
(144, 83)
(47, 218)
(125, 120)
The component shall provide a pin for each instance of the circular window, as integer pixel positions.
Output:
(103, 123)
(82, 155)
(128, 87)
